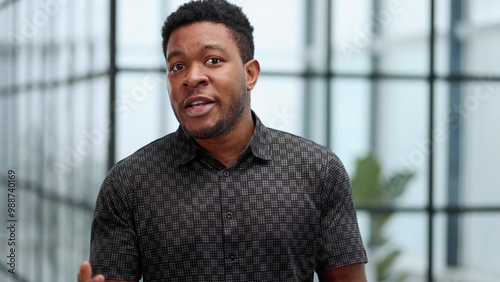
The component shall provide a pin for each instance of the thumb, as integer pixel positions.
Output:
(85, 273)
(98, 278)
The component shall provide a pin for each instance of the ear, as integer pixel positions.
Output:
(252, 70)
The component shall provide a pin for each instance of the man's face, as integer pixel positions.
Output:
(206, 79)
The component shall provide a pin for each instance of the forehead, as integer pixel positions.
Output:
(199, 34)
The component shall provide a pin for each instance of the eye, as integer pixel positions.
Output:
(213, 61)
(177, 67)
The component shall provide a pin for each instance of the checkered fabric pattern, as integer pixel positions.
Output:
(172, 212)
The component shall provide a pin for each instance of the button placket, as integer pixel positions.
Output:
(229, 221)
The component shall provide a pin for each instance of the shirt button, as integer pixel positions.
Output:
(229, 215)
(226, 173)
(232, 256)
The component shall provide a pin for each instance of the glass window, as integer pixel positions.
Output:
(350, 119)
(481, 57)
(402, 46)
(402, 141)
(315, 115)
(352, 35)
(139, 33)
(400, 236)
(278, 103)
(99, 36)
(479, 236)
(441, 138)
(480, 120)
(140, 111)
(278, 33)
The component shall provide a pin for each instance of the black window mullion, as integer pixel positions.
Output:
(431, 125)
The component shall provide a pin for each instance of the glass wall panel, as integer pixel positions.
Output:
(483, 12)
(59, 159)
(402, 135)
(481, 57)
(139, 33)
(442, 39)
(98, 135)
(278, 101)
(400, 236)
(279, 31)
(441, 141)
(402, 47)
(315, 114)
(479, 242)
(351, 116)
(477, 236)
(98, 39)
(480, 120)
(79, 35)
(353, 35)
(143, 111)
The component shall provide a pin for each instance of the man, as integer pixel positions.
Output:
(223, 198)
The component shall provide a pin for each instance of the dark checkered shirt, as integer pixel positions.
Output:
(172, 212)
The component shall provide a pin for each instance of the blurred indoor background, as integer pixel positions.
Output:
(407, 93)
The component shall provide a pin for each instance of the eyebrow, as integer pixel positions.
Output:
(173, 54)
(214, 47)
(218, 47)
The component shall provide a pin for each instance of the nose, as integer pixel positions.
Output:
(195, 76)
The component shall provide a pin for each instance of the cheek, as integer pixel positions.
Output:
(171, 95)
(169, 85)
(235, 82)
(171, 90)
(173, 101)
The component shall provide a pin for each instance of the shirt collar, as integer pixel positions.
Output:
(185, 147)
(260, 141)
(259, 144)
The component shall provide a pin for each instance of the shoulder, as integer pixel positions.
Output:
(152, 156)
(287, 145)
(138, 168)
(307, 157)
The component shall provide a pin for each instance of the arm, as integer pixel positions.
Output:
(341, 253)
(85, 275)
(114, 249)
(351, 273)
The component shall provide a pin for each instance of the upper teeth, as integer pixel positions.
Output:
(197, 104)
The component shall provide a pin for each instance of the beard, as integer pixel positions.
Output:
(226, 122)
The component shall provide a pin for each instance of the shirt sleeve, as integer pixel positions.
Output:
(113, 244)
(339, 242)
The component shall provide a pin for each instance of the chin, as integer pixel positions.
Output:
(205, 132)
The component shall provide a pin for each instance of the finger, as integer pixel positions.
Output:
(85, 273)
(98, 278)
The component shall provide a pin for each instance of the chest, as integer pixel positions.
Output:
(228, 219)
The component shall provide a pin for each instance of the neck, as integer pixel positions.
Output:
(228, 147)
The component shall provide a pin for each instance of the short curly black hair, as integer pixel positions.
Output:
(218, 11)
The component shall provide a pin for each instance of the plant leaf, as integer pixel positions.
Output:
(396, 185)
(384, 265)
(365, 182)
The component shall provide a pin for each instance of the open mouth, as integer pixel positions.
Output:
(199, 107)
(198, 104)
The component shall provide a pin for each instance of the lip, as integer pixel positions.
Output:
(203, 109)
(191, 100)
